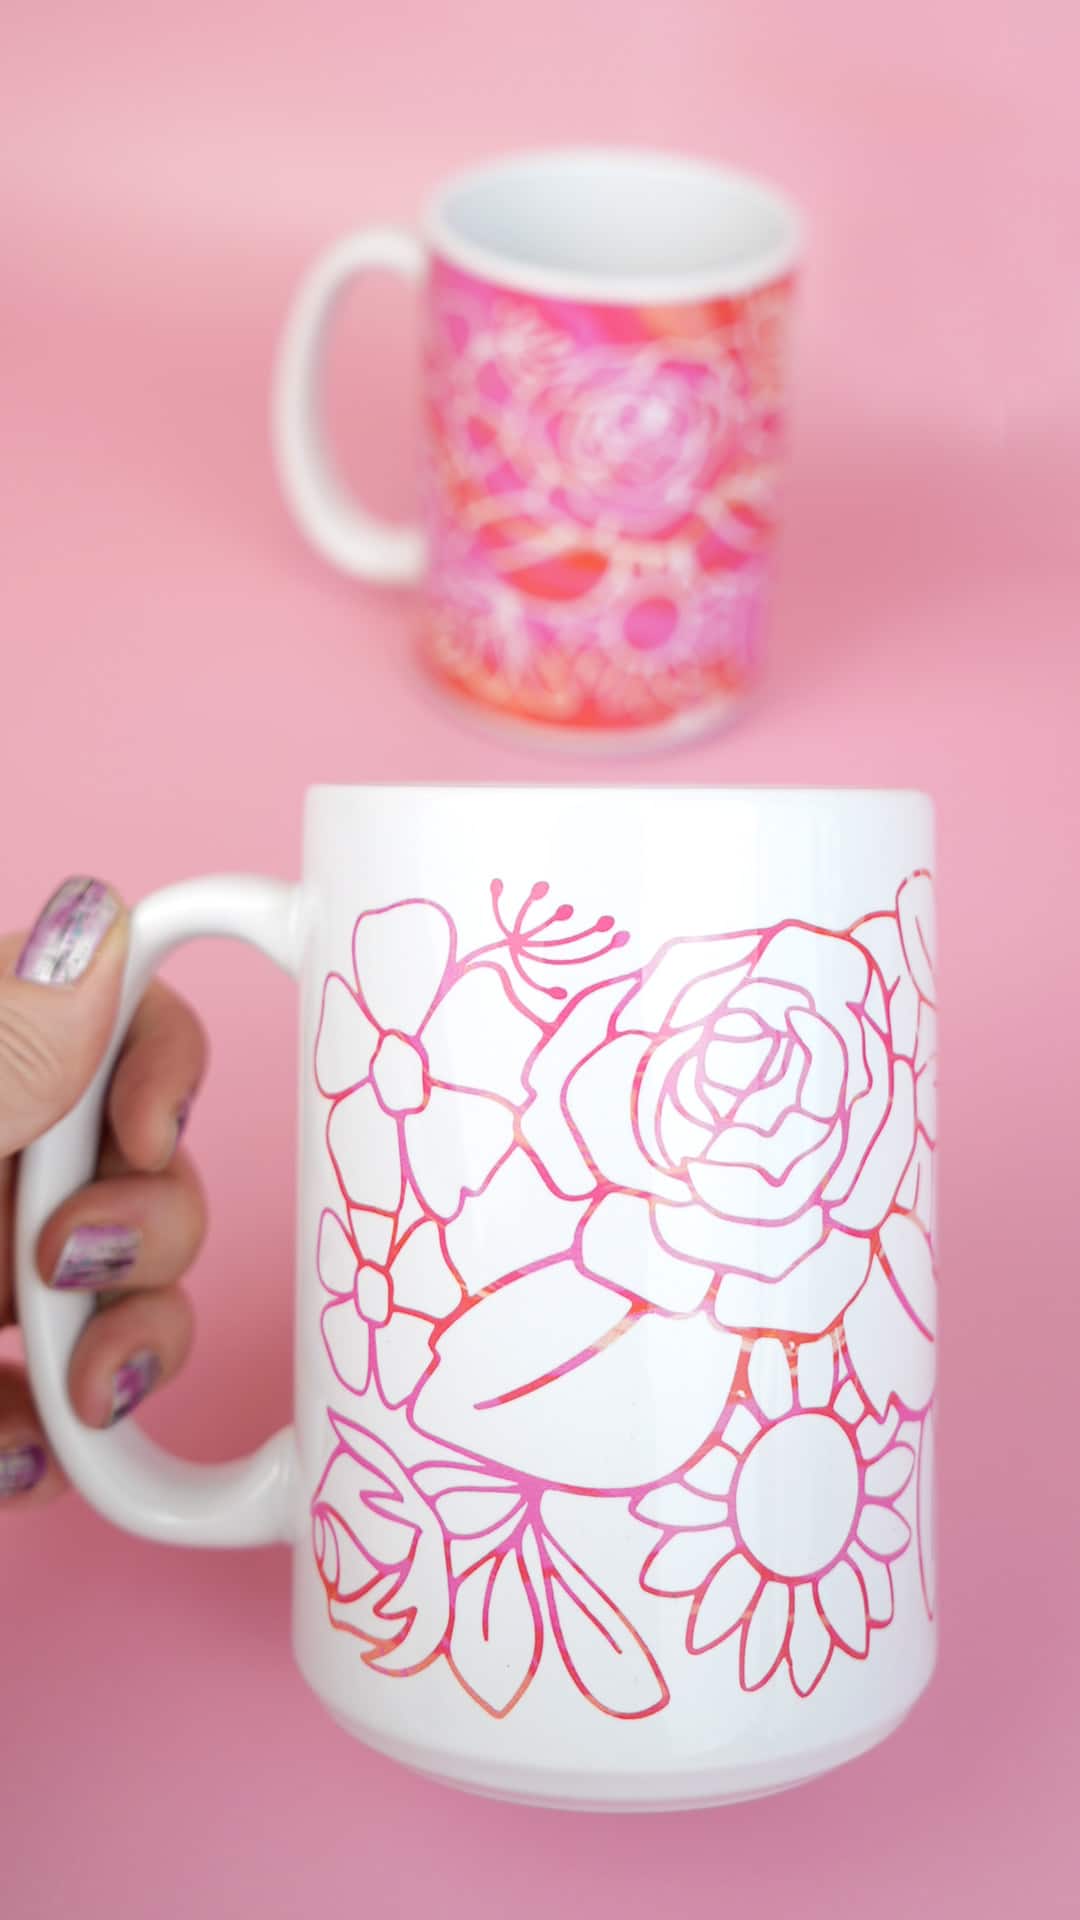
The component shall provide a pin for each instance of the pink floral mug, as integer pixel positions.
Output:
(603, 406)
(611, 1479)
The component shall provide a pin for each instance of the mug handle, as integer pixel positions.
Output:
(337, 526)
(121, 1472)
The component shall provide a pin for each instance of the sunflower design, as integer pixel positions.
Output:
(784, 1529)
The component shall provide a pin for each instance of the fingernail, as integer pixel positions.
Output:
(183, 1115)
(67, 933)
(97, 1257)
(132, 1382)
(21, 1468)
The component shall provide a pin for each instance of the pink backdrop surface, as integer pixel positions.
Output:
(178, 668)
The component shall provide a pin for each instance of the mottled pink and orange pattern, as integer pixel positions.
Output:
(601, 487)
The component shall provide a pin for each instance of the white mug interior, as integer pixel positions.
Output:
(615, 225)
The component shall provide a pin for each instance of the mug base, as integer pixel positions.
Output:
(687, 1791)
(680, 728)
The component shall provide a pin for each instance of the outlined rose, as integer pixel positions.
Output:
(625, 439)
(381, 1553)
(632, 441)
(739, 1111)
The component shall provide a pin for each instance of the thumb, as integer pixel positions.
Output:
(57, 1008)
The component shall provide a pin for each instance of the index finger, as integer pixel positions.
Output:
(161, 1064)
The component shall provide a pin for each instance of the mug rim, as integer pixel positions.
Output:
(769, 265)
(625, 789)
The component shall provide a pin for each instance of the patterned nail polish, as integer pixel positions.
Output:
(21, 1468)
(67, 934)
(97, 1257)
(132, 1382)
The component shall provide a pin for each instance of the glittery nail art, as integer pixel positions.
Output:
(67, 934)
(21, 1468)
(132, 1382)
(97, 1257)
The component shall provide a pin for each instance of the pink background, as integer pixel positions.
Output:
(177, 668)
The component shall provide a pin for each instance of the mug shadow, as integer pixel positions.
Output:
(939, 1793)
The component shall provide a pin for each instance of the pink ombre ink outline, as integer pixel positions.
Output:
(856, 1025)
(718, 1512)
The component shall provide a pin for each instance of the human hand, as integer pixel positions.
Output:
(129, 1235)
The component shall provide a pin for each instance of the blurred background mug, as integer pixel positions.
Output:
(604, 376)
(611, 1479)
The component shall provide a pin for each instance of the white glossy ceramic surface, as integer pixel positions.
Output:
(611, 1478)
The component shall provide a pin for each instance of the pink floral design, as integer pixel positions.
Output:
(538, 1374)
(444, 1559)
(601, 498)
(709, 1176)
(382, 1313)
(381, 1553)
(630, 438)
(890, 1326)
(741, 1111)
(534, 948)
(785, 1529)
(386, 1055)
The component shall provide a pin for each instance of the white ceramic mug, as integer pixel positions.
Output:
(604, 391)
(611, 1477)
